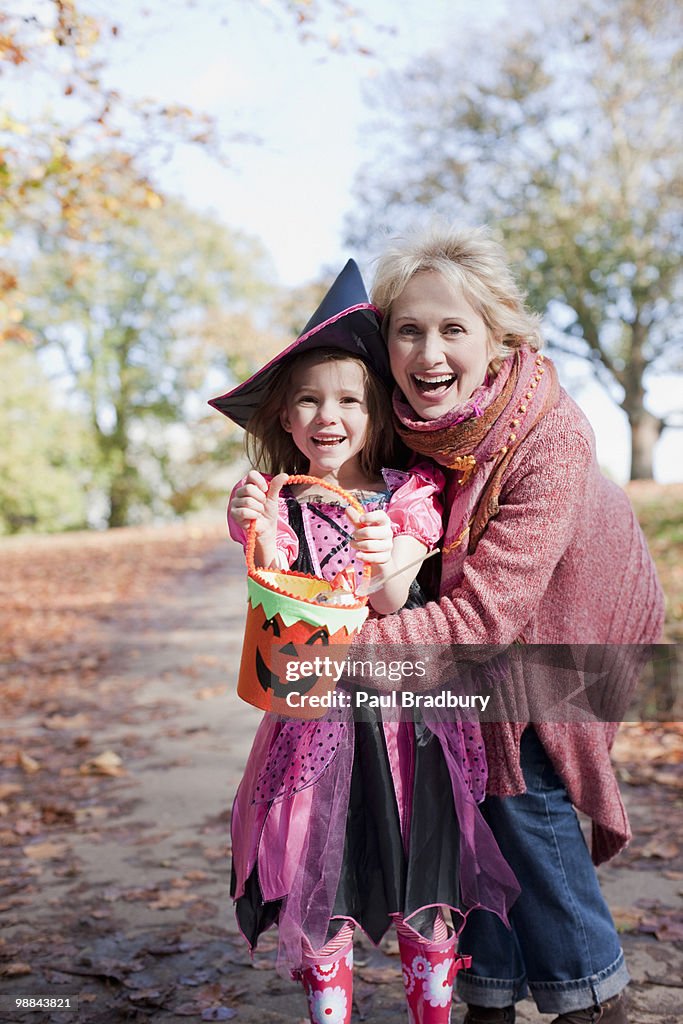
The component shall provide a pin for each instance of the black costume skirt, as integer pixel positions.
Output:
(378, 878)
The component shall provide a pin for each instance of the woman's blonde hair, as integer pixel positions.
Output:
(471, 260)
(271, 449)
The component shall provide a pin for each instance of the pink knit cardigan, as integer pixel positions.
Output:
(564, 561)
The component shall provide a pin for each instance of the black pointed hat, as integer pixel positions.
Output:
(344, 319)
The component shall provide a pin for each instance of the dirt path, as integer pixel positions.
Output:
(121, 898)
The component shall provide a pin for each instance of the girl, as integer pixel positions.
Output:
(362, 839)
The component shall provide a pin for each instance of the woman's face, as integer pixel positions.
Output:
(439, 346)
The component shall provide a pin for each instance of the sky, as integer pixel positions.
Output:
(304, 100)
(242, 62)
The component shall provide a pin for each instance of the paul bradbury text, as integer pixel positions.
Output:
(360, 699)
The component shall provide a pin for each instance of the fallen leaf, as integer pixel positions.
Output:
(57, 814)
(28, 764)
(627, 919)
(207, 692)
(199, 978)
(79, 721)
(16, 970)
(8, 789)
(150, 996)
(172, 900)
(665, 924)
(45, 851)
(9, 838)
(27, 827)
(664, 849)
(108, 763)
(670, 931)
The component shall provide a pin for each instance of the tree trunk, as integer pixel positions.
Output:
(645, 431)
(645, 428)
(119, 502)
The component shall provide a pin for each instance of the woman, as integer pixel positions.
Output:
(539, 548)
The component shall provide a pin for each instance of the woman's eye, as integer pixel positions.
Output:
(454, 329)
(408, 329)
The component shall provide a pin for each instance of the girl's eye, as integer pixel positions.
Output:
(350, 400)
(306, 400)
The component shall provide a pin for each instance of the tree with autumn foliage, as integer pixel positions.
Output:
(562, 131)
(45, 453)
(127, 317)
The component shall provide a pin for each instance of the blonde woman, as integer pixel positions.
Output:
(538, 548)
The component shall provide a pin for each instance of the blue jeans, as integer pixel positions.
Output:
(563, 946)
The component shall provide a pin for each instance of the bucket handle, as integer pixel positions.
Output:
(300, 478)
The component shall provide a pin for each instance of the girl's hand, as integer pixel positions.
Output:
(256, 500)
(373, 539)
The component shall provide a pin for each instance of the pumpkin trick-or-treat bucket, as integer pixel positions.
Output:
(296, 626)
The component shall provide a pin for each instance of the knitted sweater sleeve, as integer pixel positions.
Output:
(506, 577)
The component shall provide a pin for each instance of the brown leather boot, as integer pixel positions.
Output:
(489, 1015)
(611, 1012)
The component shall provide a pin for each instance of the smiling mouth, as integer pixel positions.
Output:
(328, 442)
(434, 385)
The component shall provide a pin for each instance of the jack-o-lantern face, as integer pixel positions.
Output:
(269, 647)
(269, 679)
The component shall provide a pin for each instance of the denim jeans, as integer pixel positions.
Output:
(563, 946)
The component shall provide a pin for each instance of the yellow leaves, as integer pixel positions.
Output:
(9, 124)
(152, 199)
(11, 51)
(8, 281)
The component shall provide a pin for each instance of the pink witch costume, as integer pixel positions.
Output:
(343, 819)
(349, 817)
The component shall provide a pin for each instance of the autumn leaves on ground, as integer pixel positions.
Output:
(122, 744)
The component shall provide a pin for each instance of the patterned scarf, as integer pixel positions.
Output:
(478, 440)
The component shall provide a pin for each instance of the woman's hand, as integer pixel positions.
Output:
(373, 538)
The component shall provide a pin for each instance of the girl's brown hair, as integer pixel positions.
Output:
(270, 447)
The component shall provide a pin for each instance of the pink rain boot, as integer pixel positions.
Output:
(328, 984)
(429, 969)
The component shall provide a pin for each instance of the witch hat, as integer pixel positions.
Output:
(344, 319)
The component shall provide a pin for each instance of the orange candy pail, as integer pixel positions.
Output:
(289, 632)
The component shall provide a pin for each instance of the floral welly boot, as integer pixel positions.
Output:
(328, 984)
(429, 969)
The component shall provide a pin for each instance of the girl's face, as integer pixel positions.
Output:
(326, 413)
(439, 346)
